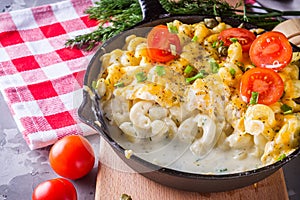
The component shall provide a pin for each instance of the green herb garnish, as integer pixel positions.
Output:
(195, 38)
(123, 14)
(160, 70)
(140, 77)
(188, 69)
(221, 43)
(215, 44)
(172, 28)
(201, 74)
(286, 109)
(214, 66)
(281, 157)
(254, 98)
(232, 71)
(233, 40)
(119, 84)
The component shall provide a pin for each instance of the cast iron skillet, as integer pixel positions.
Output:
(89, 112)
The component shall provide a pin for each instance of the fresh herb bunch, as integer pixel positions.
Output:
(120, 14)
(123, 14)
(200, 7)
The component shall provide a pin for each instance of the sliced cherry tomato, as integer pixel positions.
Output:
(163, 46)
(58, 189)
(72, 157)
(244, 37)
(271, 50)
(266, 82)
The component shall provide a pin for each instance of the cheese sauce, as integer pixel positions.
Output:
(163, 114)
(174, 154)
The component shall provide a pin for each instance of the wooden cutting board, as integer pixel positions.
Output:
(115, 178)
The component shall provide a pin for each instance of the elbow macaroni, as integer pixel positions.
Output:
(167, 106)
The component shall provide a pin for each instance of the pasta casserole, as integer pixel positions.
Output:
(206, 91)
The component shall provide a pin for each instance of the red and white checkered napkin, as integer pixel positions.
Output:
(41, 79)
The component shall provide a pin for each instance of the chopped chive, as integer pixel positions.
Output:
(215, 44)
(232, 71)
(160, 70)
(281, 157)
(140, 77)
(172, 28)
(233, 40)
(195, 38)
(201, 74)
(119, 84)
(286, 109)
(188, 69)
(221, 43)
(254, 98)
(214, 66)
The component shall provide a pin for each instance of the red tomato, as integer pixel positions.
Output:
(72, 157)
(266, 82)
(244, 37)
(163, 46)
(271, 50)
(58, 189)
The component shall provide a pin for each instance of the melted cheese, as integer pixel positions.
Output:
(239, 137)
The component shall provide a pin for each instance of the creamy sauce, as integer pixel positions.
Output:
(175, 154)
(202, 126)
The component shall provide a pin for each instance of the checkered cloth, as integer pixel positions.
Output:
(40, 79)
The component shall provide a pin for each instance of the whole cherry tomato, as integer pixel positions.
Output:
(266, 82)
(72, 157)
(271, 50)
(163, 46)
(243, 36)
(58, 189)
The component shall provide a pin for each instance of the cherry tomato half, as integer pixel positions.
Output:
(244, 37)
(72, 157)
(58, 189)
(266, 82)
(163, 46)
(271, 50)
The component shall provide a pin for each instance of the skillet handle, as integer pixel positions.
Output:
(152, 9)
(89, 112)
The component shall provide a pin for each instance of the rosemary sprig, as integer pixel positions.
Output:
(200, 7)
(123, 14)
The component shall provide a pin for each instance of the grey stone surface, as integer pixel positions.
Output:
(21, 169)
